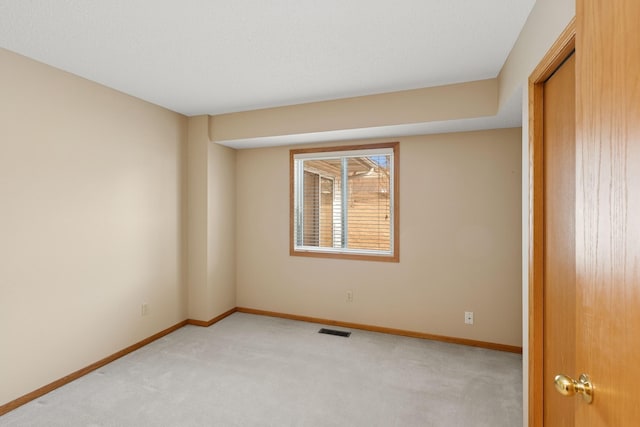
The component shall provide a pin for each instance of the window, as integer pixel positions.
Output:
(344, 202)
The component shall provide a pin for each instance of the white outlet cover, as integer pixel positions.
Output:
(468, 317)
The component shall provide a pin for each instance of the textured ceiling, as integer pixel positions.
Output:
(218, 56)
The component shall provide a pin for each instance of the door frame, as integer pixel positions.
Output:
(557, 54)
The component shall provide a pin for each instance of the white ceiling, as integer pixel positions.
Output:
(218, 56)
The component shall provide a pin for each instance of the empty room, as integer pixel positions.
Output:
(305, 213)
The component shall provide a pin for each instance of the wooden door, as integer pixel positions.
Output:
(606, 336)
(552, 303)
(559, 239)
(608, 209)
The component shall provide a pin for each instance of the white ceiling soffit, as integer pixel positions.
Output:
(219, 56)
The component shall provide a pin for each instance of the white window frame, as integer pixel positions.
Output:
(297, 196)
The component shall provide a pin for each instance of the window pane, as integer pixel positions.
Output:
(326, 212)
(310, 211)
(369, 207)
(321, 216)
(343, 202)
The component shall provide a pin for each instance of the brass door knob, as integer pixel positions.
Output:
(567, 386)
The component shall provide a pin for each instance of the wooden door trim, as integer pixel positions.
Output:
(557, 54)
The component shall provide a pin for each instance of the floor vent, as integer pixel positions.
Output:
(334, 332)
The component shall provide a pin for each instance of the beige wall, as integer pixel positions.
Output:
(92, 197)
(95, 201)
(222, 227)
(460, 243)
(449, 102)
(198, 291)
(545, 23)
(211, 224)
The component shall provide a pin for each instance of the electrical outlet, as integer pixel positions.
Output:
(145, 309)
(468, 317)
(349, 296)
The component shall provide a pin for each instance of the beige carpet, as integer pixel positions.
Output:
(252, 370)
